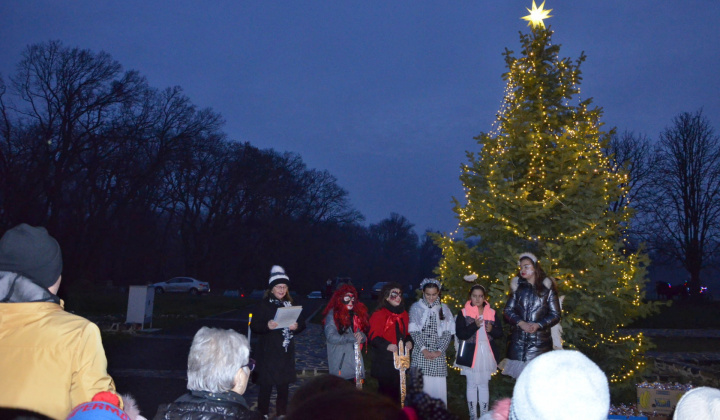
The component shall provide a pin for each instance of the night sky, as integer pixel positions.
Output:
(386, 95)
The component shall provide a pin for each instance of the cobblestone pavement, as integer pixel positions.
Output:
(311, 352)
(685, 367)
(700, 369)
(695, 358)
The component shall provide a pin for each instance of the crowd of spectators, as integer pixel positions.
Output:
(53, 364)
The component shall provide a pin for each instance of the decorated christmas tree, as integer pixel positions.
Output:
(540, 182)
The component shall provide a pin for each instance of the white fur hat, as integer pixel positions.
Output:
(561, 385)
(277, 276)
(530, 255)
(701, 403)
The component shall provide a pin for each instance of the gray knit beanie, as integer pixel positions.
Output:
(31, 252)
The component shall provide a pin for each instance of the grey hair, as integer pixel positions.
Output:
(216, 355)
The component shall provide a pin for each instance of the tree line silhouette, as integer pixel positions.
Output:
(139, 185)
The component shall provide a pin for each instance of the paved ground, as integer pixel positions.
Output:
(698, 359)
(151, 366)
(690, 333)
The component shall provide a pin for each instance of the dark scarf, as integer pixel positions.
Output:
(394, 309)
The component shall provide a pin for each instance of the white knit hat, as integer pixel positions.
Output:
(277, 276)
(561, 385)
(701, 403)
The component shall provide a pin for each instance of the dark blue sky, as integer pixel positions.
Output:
(386, 95)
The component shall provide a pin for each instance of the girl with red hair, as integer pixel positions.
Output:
(346, 323)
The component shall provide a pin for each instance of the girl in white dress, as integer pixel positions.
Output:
(472, 325)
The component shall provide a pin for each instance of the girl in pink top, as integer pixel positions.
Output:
(472, 325)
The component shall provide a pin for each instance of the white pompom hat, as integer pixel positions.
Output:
(277, 276)
(561, 385)
(701, 403)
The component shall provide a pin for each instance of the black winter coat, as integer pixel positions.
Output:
(526, 305)
(496, 336)
(275, 366)
(199, 405)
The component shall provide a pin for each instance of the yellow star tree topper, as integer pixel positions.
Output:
(536, 16)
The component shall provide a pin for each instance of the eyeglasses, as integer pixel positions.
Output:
(394, 295)
(250, 364)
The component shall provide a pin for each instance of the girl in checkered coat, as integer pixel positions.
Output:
(431, 326)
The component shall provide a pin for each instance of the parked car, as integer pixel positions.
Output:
(237, 293)
(256, 294)
(315, 295)
(182, 285)
(375, 291)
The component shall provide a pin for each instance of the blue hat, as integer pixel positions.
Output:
(97, 410)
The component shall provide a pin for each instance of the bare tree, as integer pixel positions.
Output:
(139, 183)
(429, 256)
(631, 154)
(4, 150)
(685, 205)
(324, 199)
(396, 249)
(68, 96)
(4, 120)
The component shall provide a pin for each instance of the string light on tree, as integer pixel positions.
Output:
(540, 182)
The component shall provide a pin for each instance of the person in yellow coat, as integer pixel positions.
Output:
(50, 360)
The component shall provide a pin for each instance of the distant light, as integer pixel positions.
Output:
(536, 16)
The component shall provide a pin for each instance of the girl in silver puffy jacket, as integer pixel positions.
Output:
(532, 310)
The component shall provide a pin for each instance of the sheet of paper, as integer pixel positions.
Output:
(287, 315)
